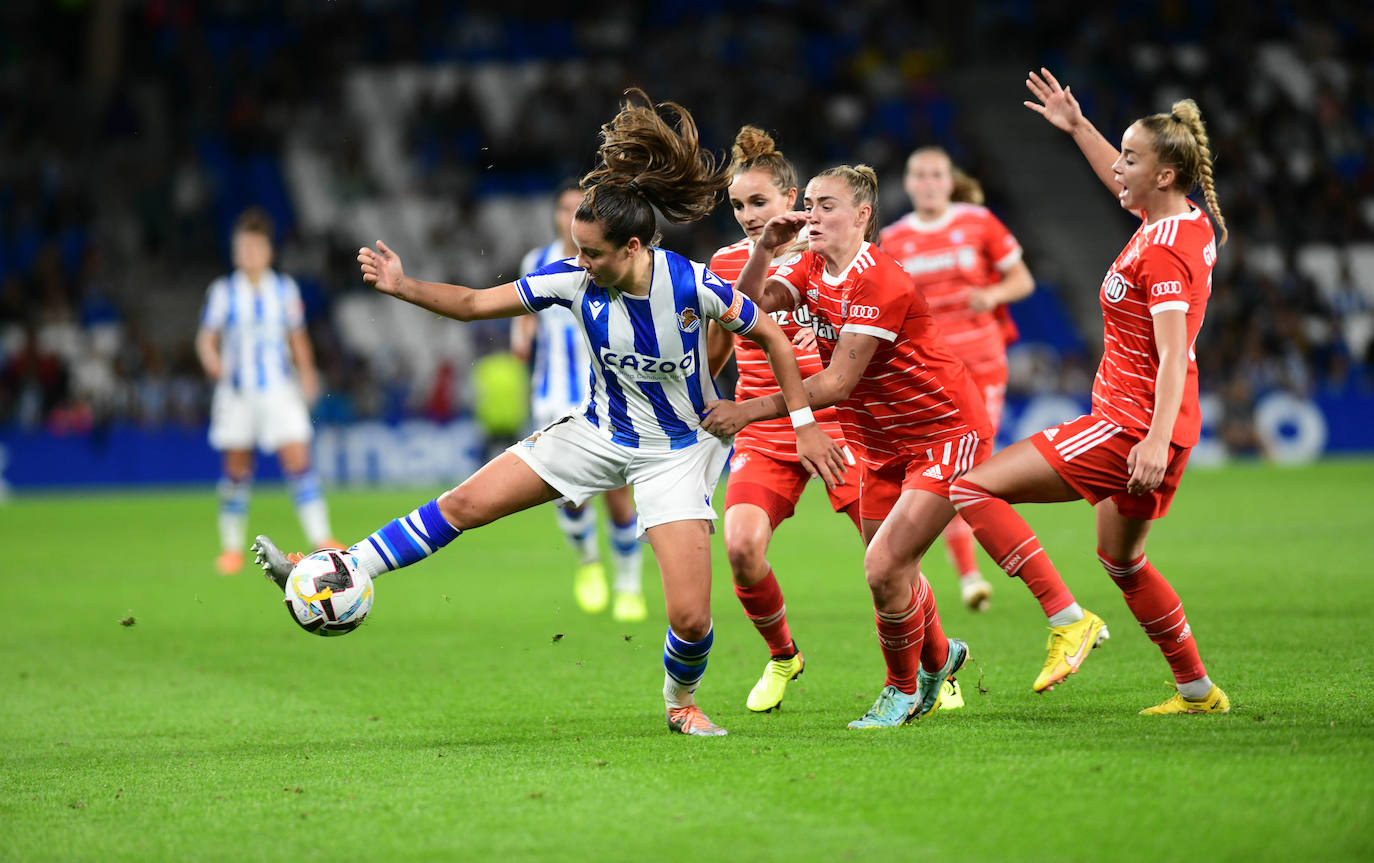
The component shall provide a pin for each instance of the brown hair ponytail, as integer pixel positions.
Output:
(646, 162)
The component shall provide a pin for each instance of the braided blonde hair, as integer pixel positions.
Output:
(1181, 142)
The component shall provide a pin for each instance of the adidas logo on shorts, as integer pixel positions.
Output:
(933, 472)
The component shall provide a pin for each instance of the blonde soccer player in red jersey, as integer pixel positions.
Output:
(766, 476)
(968, 266)
(906, 404)
(1126, 457)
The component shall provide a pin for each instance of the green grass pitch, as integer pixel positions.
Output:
(457, 725)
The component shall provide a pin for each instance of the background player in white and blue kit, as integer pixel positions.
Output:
(561, 379)
(253, 344)
(642, 310)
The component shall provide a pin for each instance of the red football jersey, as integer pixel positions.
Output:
(1166, 265)
(915, 392)
(776, 437)
(967, 247)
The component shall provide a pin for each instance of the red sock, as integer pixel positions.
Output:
(901, 634)
(1156, 605)
(959, 547)
(1011, 543)
(764, 604)
(935, 648)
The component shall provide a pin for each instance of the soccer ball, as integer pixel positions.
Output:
(327, 593)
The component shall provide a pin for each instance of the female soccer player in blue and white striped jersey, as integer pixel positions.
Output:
(252, 343)
(561, 368)
(642, 311)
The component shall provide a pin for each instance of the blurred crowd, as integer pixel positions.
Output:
(135, 135)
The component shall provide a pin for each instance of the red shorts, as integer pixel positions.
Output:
(1089, 454)
(931, 471)
(775, 485)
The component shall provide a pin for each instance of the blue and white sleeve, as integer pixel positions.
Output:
(554, 284)
(216, 310)
(736, 312)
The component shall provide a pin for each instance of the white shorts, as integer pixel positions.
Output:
(270, 419)
(545, 413)
(671, 485)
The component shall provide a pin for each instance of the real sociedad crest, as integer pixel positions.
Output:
(687, 320)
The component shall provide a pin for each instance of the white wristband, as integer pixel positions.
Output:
(801, 417)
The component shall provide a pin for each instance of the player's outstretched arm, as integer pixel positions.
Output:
(1058, 106)
(382, 269)
(753, 282)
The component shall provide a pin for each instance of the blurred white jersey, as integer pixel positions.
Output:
(562, 366)
(254, 325)
(649, 381)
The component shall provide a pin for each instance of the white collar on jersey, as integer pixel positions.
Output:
(269, 277)
(844, 274)
(915, 222)
(1193, 213)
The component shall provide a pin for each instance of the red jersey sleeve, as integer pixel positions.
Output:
(795, 272)
(999, 244)
(1165, 278)
(879, 303)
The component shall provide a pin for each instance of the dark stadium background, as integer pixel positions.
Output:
(131, 134)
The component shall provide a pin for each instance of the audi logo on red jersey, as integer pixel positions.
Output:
(863, 313)
(1163, 289)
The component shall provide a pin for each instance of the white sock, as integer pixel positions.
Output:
(233, 512)
(1072, 614)
(970, 578)
(580, 529)
(676, 694)
(1196, 690)
(308, 497)
(627, 554)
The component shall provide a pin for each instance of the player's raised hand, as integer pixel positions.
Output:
(381, 268)
(1057, 104)
(782, 229)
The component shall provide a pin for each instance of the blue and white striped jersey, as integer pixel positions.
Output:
(253, 325)
(650, 381)
(562, 366)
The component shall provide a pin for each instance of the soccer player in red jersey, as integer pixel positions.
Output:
(766, 476)
(1126, 457)
(968, 266)
(906, 404)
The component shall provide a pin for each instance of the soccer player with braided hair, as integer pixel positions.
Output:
(642, 311)
(1127, 456)
(766, 476)
(907, 405)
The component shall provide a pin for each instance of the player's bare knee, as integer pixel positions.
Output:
(748, 559)
(690, 625)
(461, 509)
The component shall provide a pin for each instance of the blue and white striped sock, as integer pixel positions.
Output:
(579, 527)
(685, 663)
(405, 540)
(308, 497)
(627, 555)
(233, 512)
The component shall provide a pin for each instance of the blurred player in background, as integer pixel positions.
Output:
(252, 343)
(1126, 457)
(642, 310)
(562, 368)
(968, 266)
(766, 477)
(907, 406)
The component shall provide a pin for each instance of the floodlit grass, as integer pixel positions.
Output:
(455, 726)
